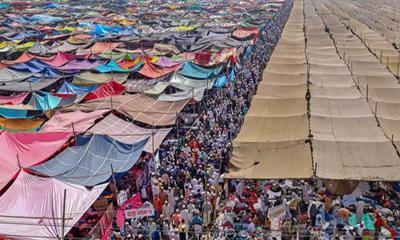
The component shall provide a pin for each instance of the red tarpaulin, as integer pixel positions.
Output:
(106, 90)
(23, 150)
(58, 60)
(152, 71)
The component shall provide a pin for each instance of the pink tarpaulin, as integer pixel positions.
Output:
(153, 71)
(32, 208)
(58, 60)
(167, 62)
(106, 90)
(23, 150)
(13, 100)
(62, 122)
(134, 202)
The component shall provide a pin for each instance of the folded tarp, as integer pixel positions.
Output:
(139, 107)
(92, 160)
(106, 90)
(22, 150)
(192, 70)
(71, 88)
(81, 65)
(88, 78)
(33, 207)
(112, 66)
(152, 71)
(20, 125)
(13, 100)
(129, 133)
(72, 121)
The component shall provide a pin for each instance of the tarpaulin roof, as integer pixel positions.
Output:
(188, 88)
(127, 132)
(62, 122)
(152, 71)
(112, 66)
(32, 208)
(100, 47)
(8, 75)
(272, 140)
(33, 66)
(192, 70)
(13, 99)
(88, 78)
(22, 150)
(92, 160)
(25, 57)
(167, 62)
(26, 86)
(81, 65)
(106, 90)
(20, 125)
(139, 107)
(71, 88)
(59, 59)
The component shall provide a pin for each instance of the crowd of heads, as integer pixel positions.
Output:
(192, 201)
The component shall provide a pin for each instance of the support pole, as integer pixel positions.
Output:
(367, 93)
(63, 216)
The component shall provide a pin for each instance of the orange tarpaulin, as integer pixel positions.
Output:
(101, 47)
(25, 57)
(20, 124)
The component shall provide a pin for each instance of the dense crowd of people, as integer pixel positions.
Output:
(192, 201)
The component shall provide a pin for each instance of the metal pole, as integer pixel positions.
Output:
(63, 215)
(398, 64)
(19, 163)
(367, 93)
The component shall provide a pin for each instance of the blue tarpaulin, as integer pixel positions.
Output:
(221, 81)
(45, 101)
(34, 66)
(45, 19)
(192, 70)
(92, 160)
(70, 88)
(101, 30)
